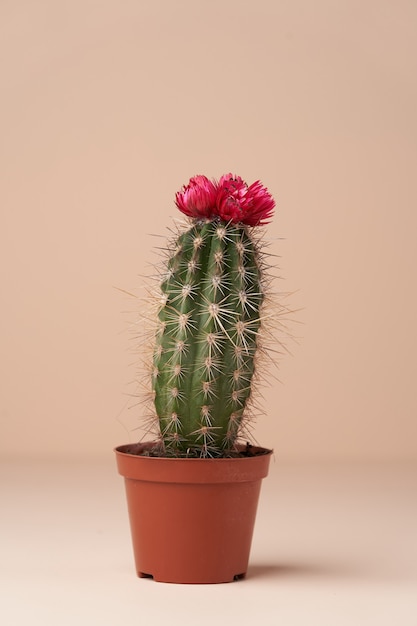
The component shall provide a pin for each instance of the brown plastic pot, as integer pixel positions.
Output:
(191, 519)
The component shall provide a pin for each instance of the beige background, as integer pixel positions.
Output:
(107, 108)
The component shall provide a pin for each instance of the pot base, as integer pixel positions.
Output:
(193, 582)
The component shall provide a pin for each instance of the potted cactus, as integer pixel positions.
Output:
(193, 489)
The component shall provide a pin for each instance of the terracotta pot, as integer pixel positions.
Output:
(191, 519)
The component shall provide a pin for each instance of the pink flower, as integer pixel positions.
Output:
(198, 198)
(230, 199)
(236, 202)
(259, 206)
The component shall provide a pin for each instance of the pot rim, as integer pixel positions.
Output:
(123, 449)
(192, 470)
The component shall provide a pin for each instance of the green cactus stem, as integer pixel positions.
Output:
(204, 358)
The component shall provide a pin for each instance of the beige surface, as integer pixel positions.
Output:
(335, 545)
(107, 108)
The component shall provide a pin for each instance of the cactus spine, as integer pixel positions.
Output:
(208, 324)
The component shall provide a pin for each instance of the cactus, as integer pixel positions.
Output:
(209, 318)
